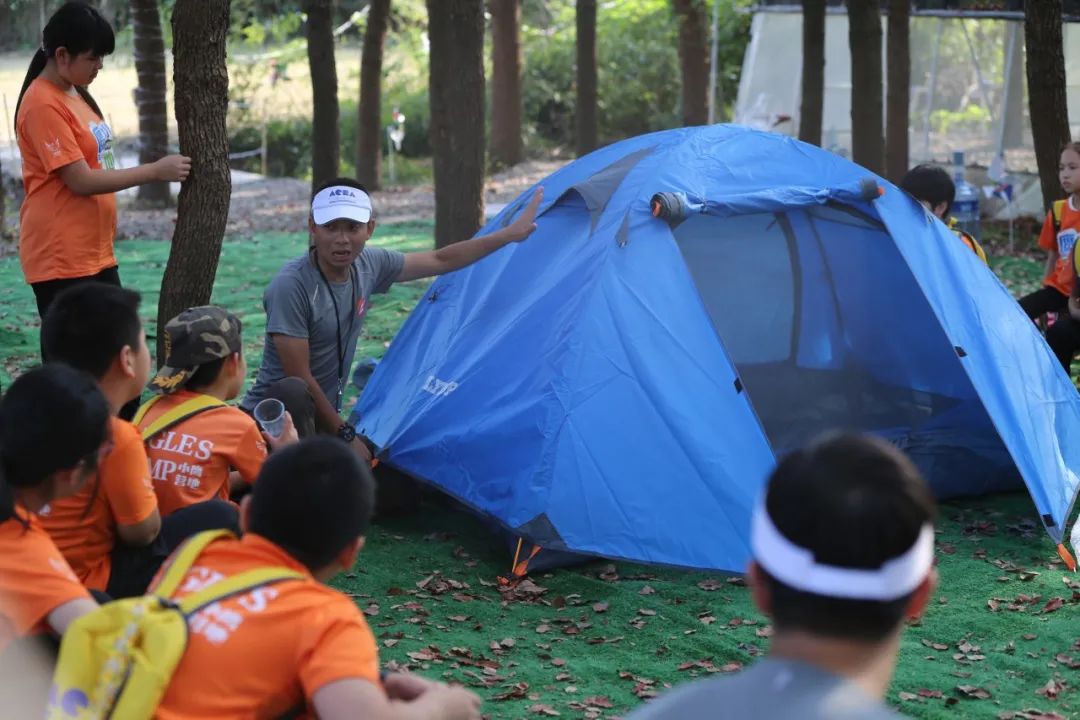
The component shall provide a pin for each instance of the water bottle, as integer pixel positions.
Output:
(965, 207)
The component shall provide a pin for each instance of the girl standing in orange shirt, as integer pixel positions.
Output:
(68, 218)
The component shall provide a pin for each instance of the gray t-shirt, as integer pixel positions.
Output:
(298, 304)
(771, 689)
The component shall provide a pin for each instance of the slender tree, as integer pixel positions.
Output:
(898, 99)
(812, 107)
(694, 58)
(456, 92)
(150, 94)
(506, 145)
(864, 40)
(585, 109)
(201, 86)
(325, 138)
(369, 125)
(1047, 101)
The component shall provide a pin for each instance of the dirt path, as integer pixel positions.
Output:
(281, 204)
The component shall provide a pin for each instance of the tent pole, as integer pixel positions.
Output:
(713, 56)
(933, 86)
(978, 72)
(1010, 58)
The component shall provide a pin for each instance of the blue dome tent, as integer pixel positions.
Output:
(622, 383)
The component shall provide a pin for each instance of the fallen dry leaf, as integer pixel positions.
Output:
(599, 701)
(710, 585)
(544, 710)
(971, 691)
(1051, 689)
(908, 697)
(600, 607)
(1052, 605)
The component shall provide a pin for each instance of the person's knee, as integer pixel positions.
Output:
(295, 394)
(209, 515)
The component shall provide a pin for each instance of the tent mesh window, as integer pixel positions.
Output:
(828, 329)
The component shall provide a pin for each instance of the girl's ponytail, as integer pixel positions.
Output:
(37, 64)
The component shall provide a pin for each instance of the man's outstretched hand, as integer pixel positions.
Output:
(526, 221)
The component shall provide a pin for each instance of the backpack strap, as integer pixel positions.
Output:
(241, 582)
(182, 560)
(180, 413)
(1057, 209)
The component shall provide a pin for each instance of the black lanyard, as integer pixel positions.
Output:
(341, 348)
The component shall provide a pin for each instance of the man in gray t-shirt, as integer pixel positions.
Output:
(315, 306)
(843, 553)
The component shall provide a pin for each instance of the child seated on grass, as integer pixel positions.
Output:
(296, 644)
(111, 532)
(935, 191)
(39, 594)
(192, 456)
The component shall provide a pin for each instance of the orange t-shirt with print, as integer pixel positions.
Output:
(34, 579)
(62, 235)
(190, 461)
(1061, 276)
(83, 526)
(265, 652)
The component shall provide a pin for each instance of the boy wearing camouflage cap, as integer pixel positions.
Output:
(199, 447)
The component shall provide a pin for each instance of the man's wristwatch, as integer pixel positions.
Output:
(346, 432)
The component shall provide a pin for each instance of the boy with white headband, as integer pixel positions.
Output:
(316, 304)
(843, 550)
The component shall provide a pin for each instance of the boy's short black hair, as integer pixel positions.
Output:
(87, 326)
(206, 375)
(931, 184)
(855, 502)
(312, 499)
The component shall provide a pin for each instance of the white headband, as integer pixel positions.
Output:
(795, 566)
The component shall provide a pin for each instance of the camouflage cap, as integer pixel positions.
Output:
(194, 337)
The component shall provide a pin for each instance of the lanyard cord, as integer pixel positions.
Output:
(337, 320)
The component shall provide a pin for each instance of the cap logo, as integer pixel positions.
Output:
(342, 191)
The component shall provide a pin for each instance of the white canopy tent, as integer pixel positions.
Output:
(968, 89)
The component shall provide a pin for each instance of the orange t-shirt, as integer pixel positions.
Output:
(190, 462)
(1061, 276)
(62, 235)
(123, 496)
(34, 579)
(265, 652)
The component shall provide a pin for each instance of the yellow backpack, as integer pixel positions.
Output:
(117, 661)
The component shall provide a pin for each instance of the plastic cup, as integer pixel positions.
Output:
(270, 414)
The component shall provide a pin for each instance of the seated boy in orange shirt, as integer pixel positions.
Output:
(111, 532)
(296, 645)
(191, 458)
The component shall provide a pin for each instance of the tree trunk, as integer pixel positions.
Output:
(456, 91)
(694, 57)
(1046, 90)
(150, 94)
(812, 109)
(201, 82)
(369, 125)
(898, 89)
(325, 137)
(864, 41)
(585, 110)
(506, 146)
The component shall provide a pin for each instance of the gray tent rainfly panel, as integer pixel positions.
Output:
(598, 189)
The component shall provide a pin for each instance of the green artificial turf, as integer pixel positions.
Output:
(1000, 636)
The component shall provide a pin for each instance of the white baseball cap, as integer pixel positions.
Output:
(340, 201)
